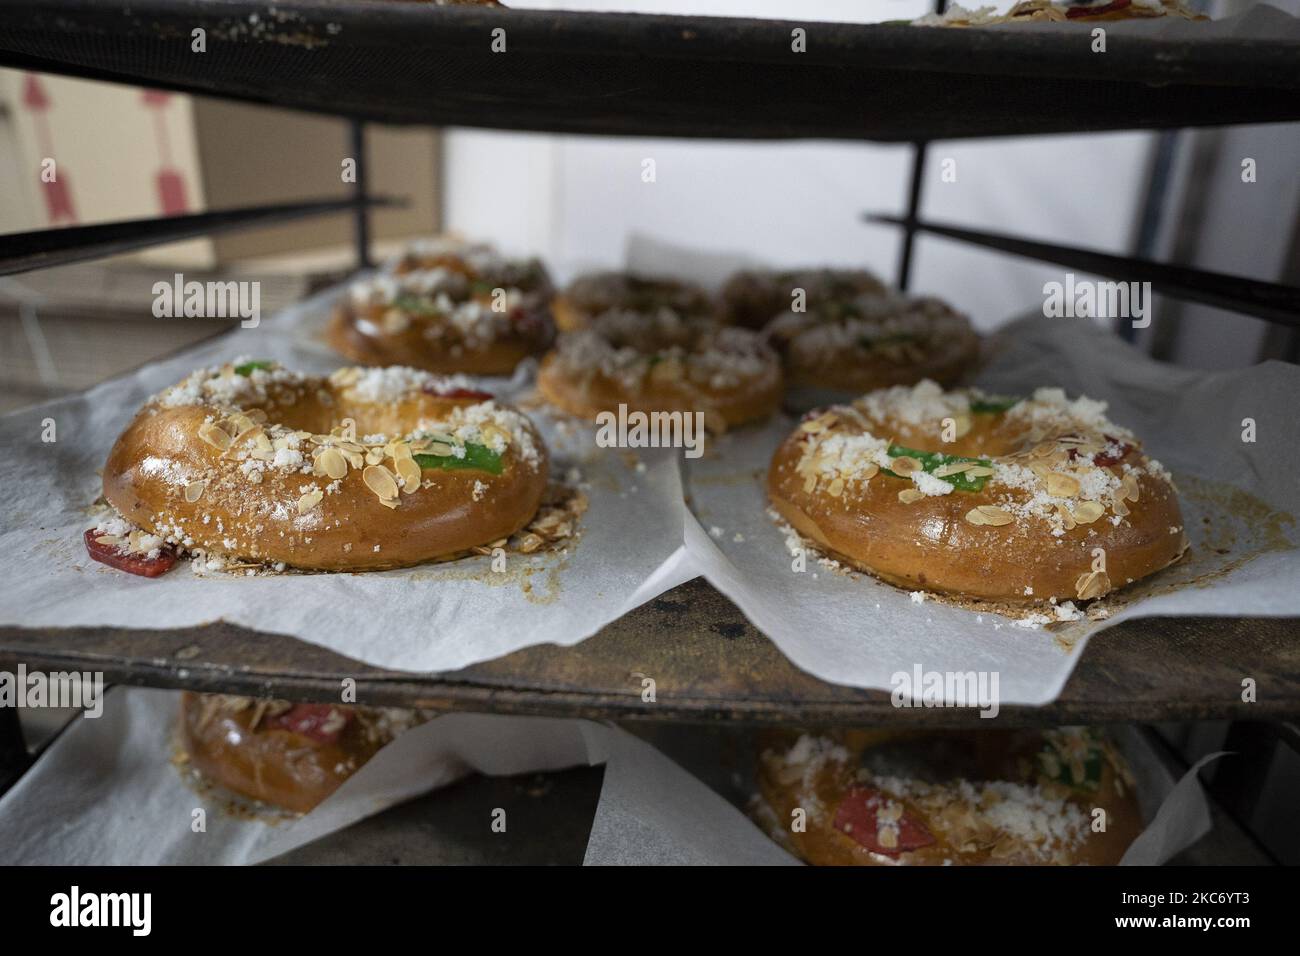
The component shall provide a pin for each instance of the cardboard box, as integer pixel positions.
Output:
(84, 152)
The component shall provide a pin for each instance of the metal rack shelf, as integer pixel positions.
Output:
(610, 73)
(709, 664)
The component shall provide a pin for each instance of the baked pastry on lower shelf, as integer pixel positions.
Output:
(1011, 500)
(985, 797)
(291, 756)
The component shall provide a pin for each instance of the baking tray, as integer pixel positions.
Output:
(708, 663)
(647, 75)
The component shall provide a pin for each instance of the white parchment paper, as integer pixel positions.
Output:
(638, 539)
(1238, 499)
(107, 793)
(429, 618)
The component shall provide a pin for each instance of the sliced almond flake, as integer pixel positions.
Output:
(310, 500)
(409, 472)
(819, 424)
(1060, 485)
(836, 488)
(953, 468)
(355, 459)
(979, 471)
(1040, 469)
(1119, 507)
(256, 414)
(1067, 519)
(870, 470)
(492, 433)
(1129, 486)
(809, 484)
(250, 433)
(375, 456)
(194, 490)
(381, 481)
(333, 463)
(1087, 512)
(218, 438)
(440, 448)
(909, 495)
(110, 539)
(1091, 584)
(904, 465)
(395, 321)
(989, 515)
(399, 450)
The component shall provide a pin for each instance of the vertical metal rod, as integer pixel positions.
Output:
(919, 149)
(1153, 206)
(361, 216)
(913, 213)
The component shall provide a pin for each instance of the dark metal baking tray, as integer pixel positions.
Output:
(655, 75)
(708, 663)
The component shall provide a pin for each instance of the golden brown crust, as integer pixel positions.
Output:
(831, 485)
(662, 363)
(977, 798)
(259, 500)
(252, 748)
(590, 296)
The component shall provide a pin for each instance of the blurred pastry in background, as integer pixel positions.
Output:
(482, 318)
(663, 361)
(594, 294)
(986, 797)
(849, 346)
(755, 297)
